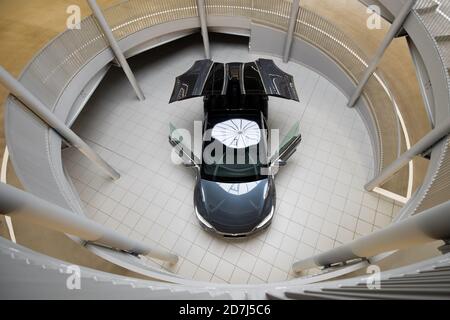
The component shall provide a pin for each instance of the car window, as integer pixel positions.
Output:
(215, 82)
(232, 170)
(252, 79)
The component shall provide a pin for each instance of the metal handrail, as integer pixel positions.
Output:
(131, 16)
(324, 34)
(435, 18)
(427, 227)
(438, 27)
(20, 203)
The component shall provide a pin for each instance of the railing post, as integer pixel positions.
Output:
(115, 48)
(295, 6)
(393, 31)
(424, 144)
(428, 226)
(38, 108)
(3, 174)
(204, 27)
(20, 203)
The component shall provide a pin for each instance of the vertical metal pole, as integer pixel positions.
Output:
(38, 108)
(204, 27)
(291, 27)
(424, 144)
(115, 47)
(393, 31)
(428, 226)
(3, 170)
(13, 202)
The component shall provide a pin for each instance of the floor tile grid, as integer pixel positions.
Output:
(267, 243)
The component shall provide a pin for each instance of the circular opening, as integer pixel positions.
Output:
(321, 202)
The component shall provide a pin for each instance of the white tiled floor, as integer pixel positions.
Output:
(321, 200)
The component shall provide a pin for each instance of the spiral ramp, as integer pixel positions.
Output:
(84, 89)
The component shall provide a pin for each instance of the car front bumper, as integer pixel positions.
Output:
(208, 227)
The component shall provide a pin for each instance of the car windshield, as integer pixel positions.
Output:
(235, 153)
(224, 171)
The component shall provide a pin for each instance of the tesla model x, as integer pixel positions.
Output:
(234, 194)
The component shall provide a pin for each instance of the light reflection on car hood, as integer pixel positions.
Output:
(234, 204)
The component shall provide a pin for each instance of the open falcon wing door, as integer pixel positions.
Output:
(208, 78)
(276, 82)
(287, 148)
(184, 153)
(191, 83)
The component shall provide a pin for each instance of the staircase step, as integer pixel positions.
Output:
(444, 49)
(319, 295)
(53, 284)
(276, 296)
(410, 282)
(442, 38)
(436, 23)
(426, 6)
(444, 7)
(408, 291)
(374, 295)
(312, 295)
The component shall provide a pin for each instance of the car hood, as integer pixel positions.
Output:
(234, 207)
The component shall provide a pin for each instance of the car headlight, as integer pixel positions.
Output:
(266, 190)
(202, 220)
(266, 219)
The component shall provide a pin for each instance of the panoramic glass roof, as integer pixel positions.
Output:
(237, 133)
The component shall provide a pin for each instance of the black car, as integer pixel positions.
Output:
(235, 191)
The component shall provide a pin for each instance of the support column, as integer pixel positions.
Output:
(204, 27)
(428, 226)
(393, 31)
(424, 144)
(46, 214)
(115, 48)
(295, 6)
(4, 170)
(38, 108)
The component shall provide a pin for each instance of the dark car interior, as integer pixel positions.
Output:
(236, 93)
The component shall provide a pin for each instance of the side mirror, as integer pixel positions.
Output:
(275, 166)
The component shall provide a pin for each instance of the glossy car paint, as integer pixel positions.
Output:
(238, 212)
(234, 208)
